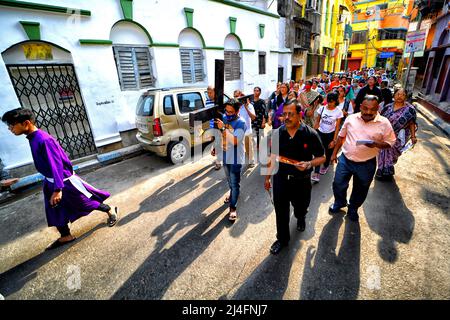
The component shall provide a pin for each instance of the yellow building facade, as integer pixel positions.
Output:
(336, 14)
(378, 33)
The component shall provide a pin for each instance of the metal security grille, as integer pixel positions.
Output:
(192, 65)
(53, 93)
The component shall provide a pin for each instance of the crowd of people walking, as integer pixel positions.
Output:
(350, 119)
(308, 122)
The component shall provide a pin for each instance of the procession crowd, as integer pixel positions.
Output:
(309, 122)
(351, 119)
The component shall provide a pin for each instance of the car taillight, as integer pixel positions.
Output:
(157, 129)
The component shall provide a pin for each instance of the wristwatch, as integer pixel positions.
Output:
(309, 165)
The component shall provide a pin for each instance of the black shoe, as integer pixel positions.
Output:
(113, 218)
(334, 209)
(276, 247)
(301, 224)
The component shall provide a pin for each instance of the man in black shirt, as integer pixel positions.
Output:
(296, 148)
(386, 92)
(369, 89)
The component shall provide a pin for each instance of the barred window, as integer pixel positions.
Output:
(134, 67)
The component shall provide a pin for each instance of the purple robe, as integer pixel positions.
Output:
(52, 162)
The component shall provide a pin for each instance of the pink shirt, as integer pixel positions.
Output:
(355, 128)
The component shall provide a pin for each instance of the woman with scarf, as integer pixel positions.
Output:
(277, 104)
(402, 116)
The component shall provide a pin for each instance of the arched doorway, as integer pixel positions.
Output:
(44, 79)
(191, 56)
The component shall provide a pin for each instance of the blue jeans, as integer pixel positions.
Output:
(233, 174)
(362, 172)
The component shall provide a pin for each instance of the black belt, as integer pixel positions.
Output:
(295, 177)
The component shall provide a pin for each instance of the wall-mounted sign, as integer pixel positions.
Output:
(65, 94)
(386, 55)
(415, 41)
(37, 51)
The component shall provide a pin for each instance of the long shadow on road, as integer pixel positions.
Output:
(389, 217)
(16, 278)
(330, 274)
(270, 279)
(167, 194)
(163, 266)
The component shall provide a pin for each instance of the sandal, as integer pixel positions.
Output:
(58, 244)
(232, 216)
(113, 218)
(227, 200)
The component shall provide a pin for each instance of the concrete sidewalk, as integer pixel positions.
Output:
(89, 165)
(431, 116)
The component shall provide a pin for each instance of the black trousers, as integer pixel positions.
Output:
(326, 140)
(295, 191)
(64, 231)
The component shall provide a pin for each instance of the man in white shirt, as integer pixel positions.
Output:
(247, 113)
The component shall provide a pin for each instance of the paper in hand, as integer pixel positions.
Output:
(360, 142)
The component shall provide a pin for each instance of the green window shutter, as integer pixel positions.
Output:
(232, 65)
(199, 72)
(134, 67)
(125, 68)
(192, 65)
(185, 57)
(144, 67)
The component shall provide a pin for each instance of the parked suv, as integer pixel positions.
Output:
(162, 120)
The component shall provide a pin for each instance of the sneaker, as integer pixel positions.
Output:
(315, 177)
(323, 170)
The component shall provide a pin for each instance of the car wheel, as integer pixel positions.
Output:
(178, 152)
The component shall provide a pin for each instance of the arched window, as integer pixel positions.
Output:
(191, 56)
(132, 55)
(232, 58)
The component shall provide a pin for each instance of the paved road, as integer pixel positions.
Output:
(174, 240)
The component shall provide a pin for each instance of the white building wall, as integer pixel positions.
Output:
(95, 66)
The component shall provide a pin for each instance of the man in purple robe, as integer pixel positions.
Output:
(67, 197)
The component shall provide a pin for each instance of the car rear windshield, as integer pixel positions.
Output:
(145, 106)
